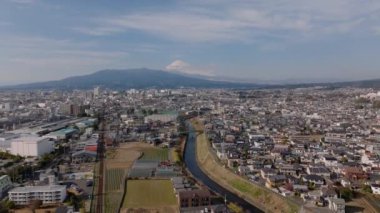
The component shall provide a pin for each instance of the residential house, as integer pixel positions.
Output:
(337, 205)
(315, 179)
(288, 169)
(193, 198)
(354, 173)
(328, 192)
(329, 160)
(318, 170)
(266, 172)
(275, 181)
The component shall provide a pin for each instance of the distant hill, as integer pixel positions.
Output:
(147, 78)
(131, 78)
(373, 83)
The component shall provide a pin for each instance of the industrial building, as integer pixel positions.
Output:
(31, 146)
(62, 134)
(5, 141)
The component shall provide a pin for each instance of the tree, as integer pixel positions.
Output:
(344, 160)
(235, 164)
(367, 189)
(10, 204)
(376, 104)
(311, 185)
(346, 193)
(6, 205)
(3, 209)
(75, 201)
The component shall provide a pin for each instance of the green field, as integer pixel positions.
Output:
(112, 202)
(149, 194)
(114, 179)
(114, 194)
(155, 154)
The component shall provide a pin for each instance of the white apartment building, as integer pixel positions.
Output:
(31, 146)
(47, 194)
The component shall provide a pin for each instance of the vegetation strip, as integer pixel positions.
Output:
(263, 199)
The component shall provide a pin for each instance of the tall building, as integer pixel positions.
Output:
(96, 91)
(73, 109)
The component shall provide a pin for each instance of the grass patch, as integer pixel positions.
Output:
(293, 208)
(245, 187)
(149, 194)
(111, 153)
(175, 155)
(234, 208)
(155, 154)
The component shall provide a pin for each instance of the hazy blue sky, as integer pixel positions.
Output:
(265, 40)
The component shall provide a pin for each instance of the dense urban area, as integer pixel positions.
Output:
(266, 150)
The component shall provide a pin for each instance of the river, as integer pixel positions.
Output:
(192, 165)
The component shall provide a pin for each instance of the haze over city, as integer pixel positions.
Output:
(258, 41)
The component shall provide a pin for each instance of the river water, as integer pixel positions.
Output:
(192, 165)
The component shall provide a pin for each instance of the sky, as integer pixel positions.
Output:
(258, 41)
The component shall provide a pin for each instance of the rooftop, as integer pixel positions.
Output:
(47, 188)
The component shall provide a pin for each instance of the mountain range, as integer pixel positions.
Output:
(148, 78)
(131, 78)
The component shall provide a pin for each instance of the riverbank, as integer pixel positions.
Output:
(263, 199)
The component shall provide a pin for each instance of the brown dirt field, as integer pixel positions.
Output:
(166, 209)
(27, 210)
(119, 165)
(125, 155)
(258, 196)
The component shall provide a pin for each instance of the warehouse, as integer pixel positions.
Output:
(31, 146)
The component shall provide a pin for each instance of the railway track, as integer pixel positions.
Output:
(100, 155)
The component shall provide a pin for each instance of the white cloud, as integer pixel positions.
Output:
(23, 1)
(184, 67)
(99, 31)
(27, 59)
(242, 20)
